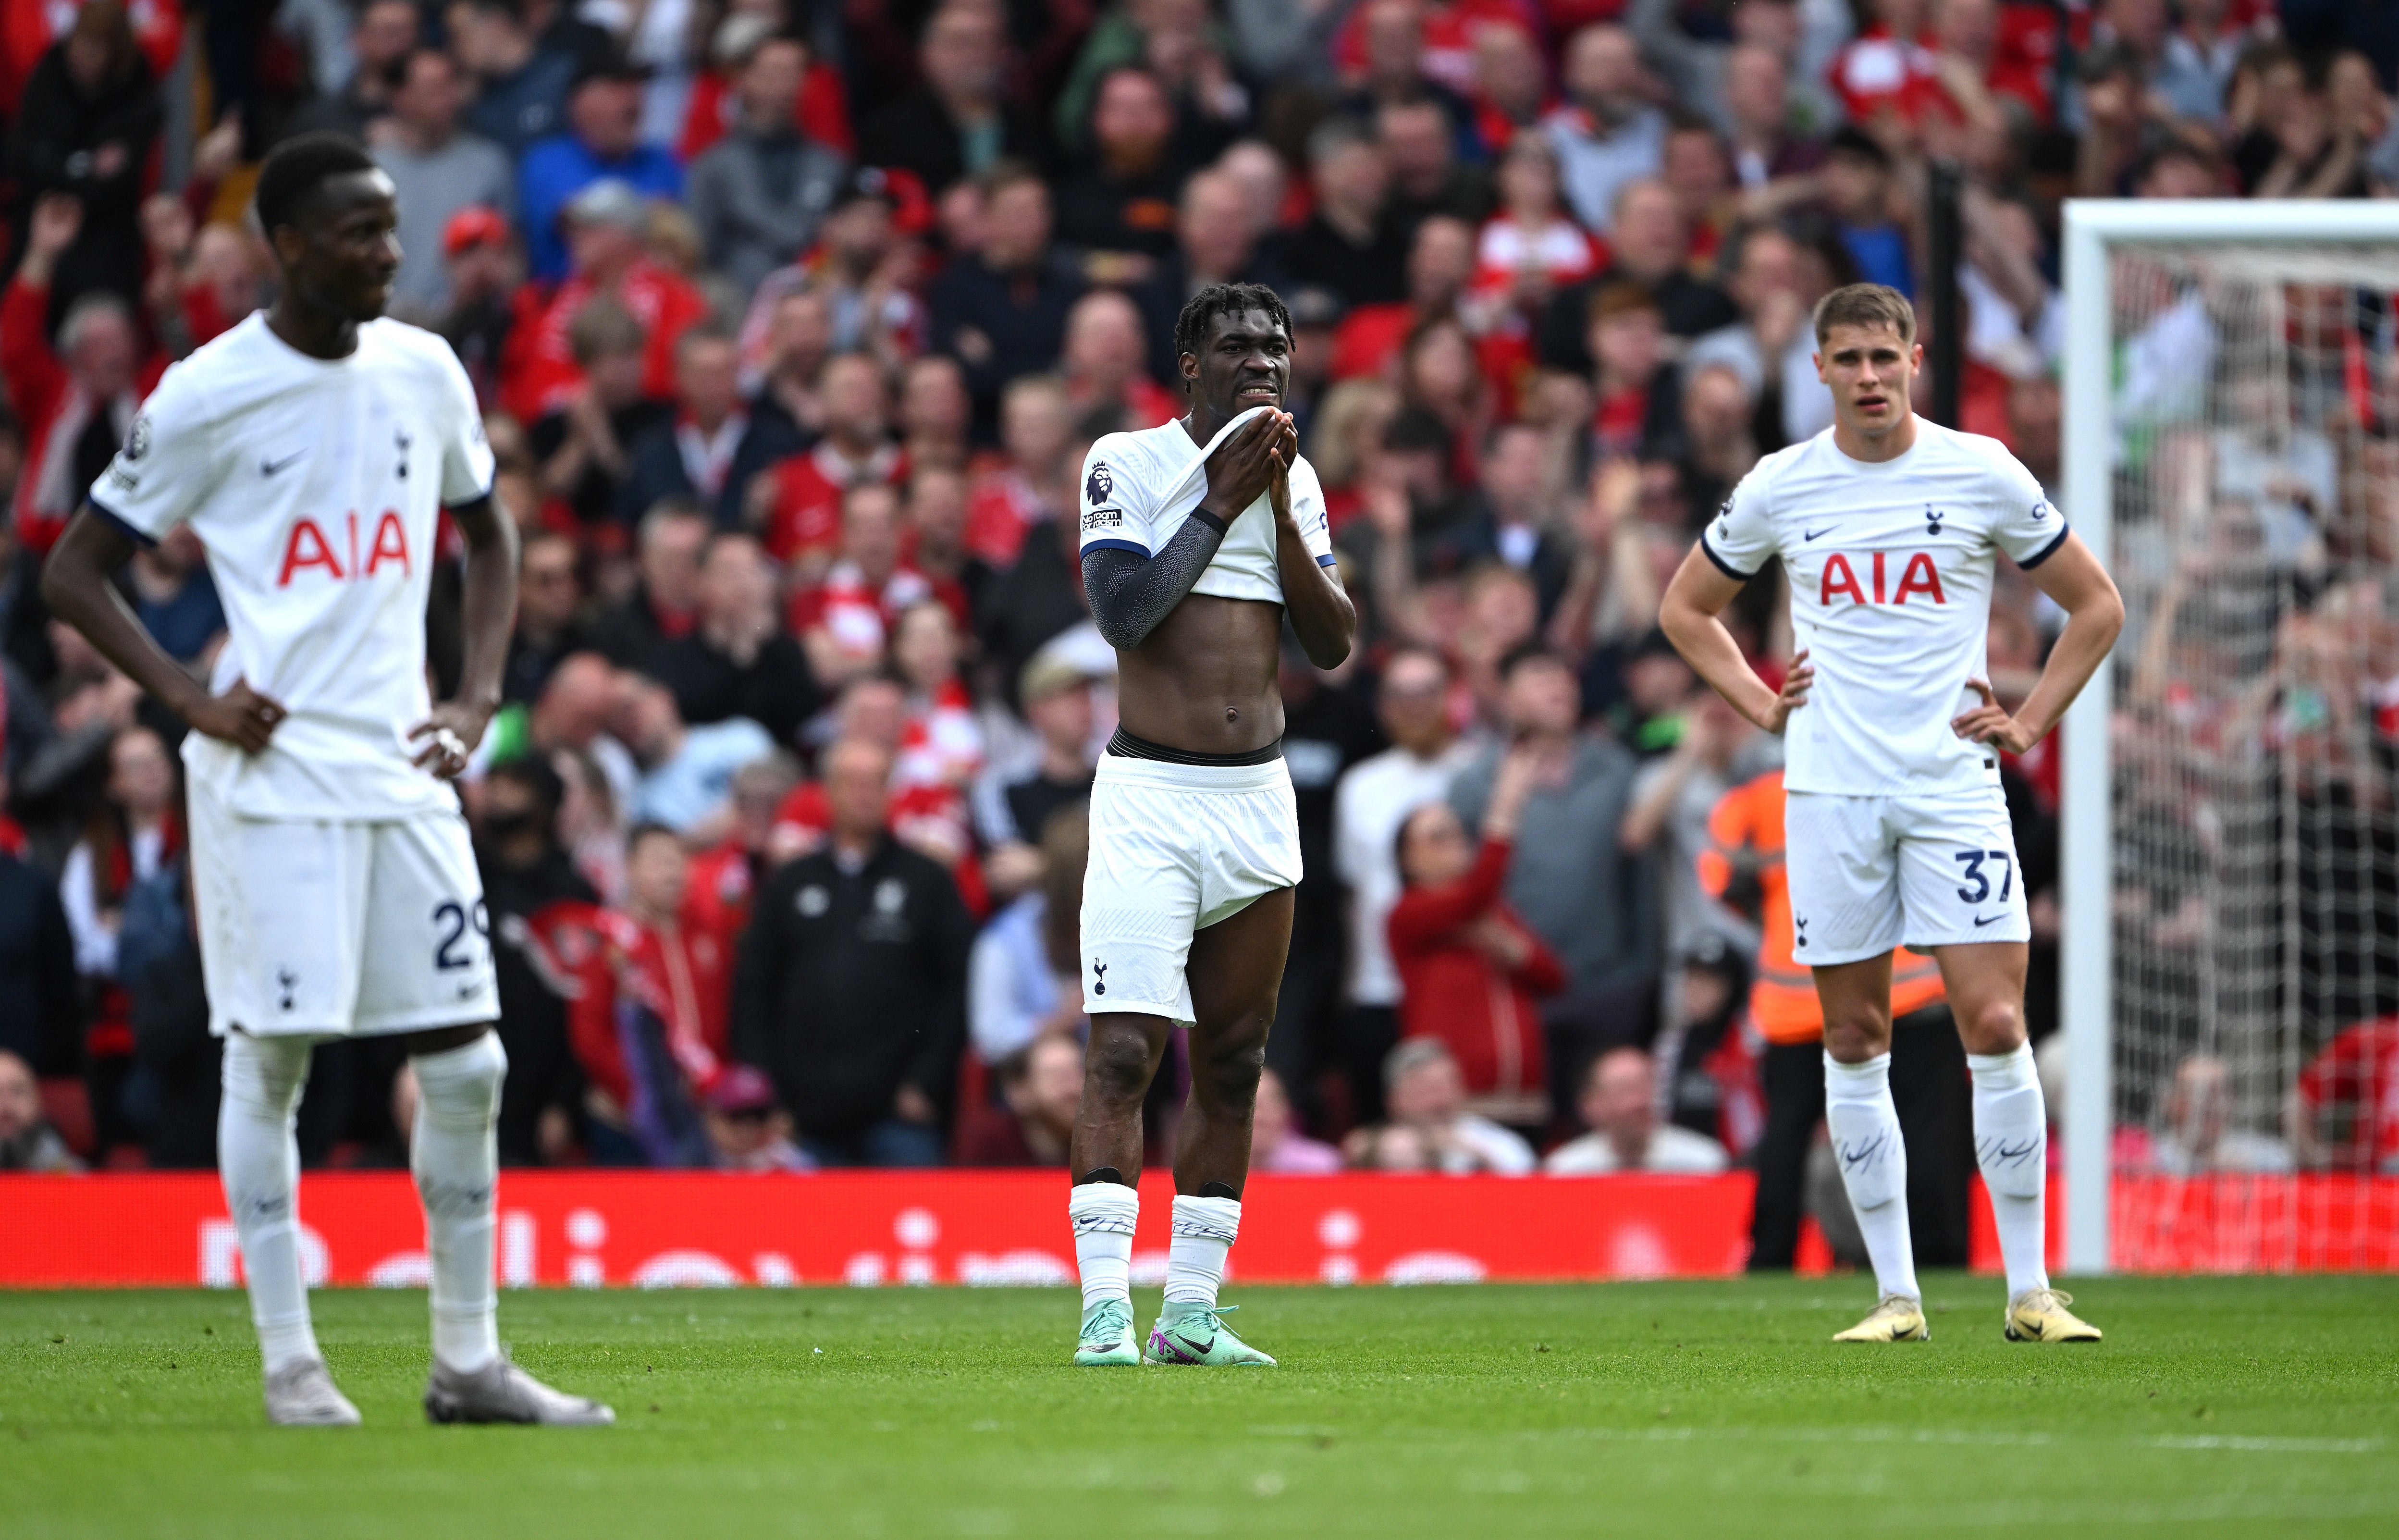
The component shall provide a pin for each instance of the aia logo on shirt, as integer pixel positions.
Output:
(1919, 577)
(340, 555)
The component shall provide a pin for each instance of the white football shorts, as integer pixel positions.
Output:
(342, 929)
(1871, 873)
(1176, 849)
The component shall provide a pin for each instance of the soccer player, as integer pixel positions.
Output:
(313, 448)
(1896, 831)
(1199, 538)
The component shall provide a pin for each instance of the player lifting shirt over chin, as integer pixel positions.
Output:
(1888, 527)
(1198, 538)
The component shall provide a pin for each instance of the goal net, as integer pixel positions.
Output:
(2243, 439)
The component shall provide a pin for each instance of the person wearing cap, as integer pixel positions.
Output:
(521, 84)
(605, 223)
(758, 194)
(746, 1131)
(438, 171)
(1013, 803)
(482, 269)
(603, 121)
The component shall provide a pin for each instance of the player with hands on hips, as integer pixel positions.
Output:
(1887, 528)
(314, 447)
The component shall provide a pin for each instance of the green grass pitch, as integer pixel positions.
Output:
(2241, 1407)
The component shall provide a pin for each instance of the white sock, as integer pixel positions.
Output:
(2011, 1146)
(259, 1159)
(454, 1153)
(1102, 1215)
(1864, 1125)
(1204, 1228)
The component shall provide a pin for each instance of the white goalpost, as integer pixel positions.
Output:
(2231, 451)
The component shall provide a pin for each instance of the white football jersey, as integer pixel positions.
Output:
(317, 488)
(1891, 571)
(1138, 488)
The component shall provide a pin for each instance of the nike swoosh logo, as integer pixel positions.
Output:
(1980, 921)
(268, 467)
(1813, 533)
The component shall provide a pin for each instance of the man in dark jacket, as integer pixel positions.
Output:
(714, 445)
(39, 1016)
(851, 986)
(736, 660)
(1003, 312)
(957, 123)
(541, 909)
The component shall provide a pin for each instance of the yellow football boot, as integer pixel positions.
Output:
(2040, 1316)
(1897, 1319)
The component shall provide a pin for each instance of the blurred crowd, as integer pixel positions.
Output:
(793, 321)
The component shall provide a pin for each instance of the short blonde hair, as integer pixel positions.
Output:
(1865, 305)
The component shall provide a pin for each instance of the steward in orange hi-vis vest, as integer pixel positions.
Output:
(1745, 834)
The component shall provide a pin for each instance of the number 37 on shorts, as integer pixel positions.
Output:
(1871, 873)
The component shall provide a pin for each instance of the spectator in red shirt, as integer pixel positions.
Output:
(846, 620)
(606, 225)
(930, 818)
(723, 876)
(1036, 482)
(650, 965)
(1530, 249)
(1441, 376)
(1042, 1085)
(803, 518)
(1471, 973)
(585, 447)
(1511, 82)
(1440, 263)
(1639, 405)
(1890, 69)
(1698, 171)
(2345, 1112)
(77, 403)
(942, 742)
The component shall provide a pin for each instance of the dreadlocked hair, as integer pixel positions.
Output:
(1224, 299)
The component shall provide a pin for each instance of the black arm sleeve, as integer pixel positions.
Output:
(1131, 593)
